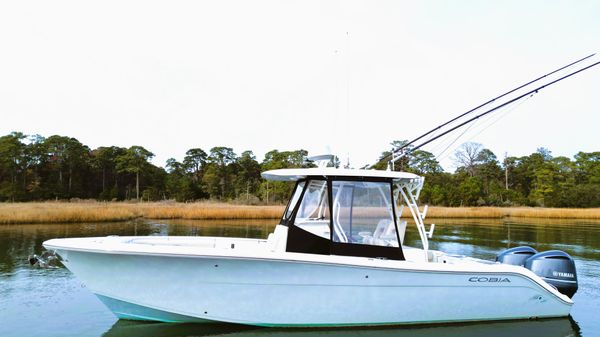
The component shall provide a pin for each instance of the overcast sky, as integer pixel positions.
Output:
(260, 75)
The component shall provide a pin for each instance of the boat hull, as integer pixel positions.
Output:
(280, 292)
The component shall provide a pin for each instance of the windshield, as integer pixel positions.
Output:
(294, 200)
(313, 212)
(363, 213)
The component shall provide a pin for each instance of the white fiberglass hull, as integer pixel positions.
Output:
(289, 289)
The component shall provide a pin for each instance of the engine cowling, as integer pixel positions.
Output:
(556, 268)
(516, 256)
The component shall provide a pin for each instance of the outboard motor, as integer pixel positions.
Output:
(516, 256)
(557, 268)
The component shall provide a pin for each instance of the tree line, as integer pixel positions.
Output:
(35, 168)
(481, 179)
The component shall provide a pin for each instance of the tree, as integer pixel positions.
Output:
(194, 162)
(36, 156)
(56, 146)
(400, 160)
(134, 160)
(154, 183)
(285, 159)
(104, 161)
(248, 174)
(467, 156)
(279, 191)
(77, 162)
(178, 183)
(489, 170)
(219, 176)
(471, 192)
(423, 162)
(587, 167)
(12, 164)
(67, 156)
(409, 160)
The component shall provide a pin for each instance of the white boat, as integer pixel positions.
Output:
(335, 259)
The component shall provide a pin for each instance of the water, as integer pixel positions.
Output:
(52, 302)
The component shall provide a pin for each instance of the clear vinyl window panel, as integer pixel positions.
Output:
(294, 200)
(363, 213)
(313, 212)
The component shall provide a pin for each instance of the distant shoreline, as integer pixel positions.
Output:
(73, 212)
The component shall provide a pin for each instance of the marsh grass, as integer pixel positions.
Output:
(208, 211)
(91, 211)
(511, 212)
(59, 212)
(554, 213)
(462, 212)
(63, 212)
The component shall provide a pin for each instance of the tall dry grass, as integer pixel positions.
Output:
(554, 213)
(55, 212)
(65, 212)
(462, 212)
(512, 212)
(208, 211)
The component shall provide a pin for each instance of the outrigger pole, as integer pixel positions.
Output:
(402, 153)
(534, 91)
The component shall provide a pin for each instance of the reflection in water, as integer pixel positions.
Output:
(562, 327)
(52, 302)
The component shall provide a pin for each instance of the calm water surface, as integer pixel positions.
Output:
(52, 302)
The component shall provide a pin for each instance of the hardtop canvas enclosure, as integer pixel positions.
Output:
(337, 215)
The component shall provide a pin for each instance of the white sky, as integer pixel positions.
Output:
(263, 75)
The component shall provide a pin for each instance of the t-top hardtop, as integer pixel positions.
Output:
(350, 212)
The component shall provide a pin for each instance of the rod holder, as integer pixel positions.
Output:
(430, 232)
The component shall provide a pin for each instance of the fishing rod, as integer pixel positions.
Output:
(486, 103)
(534, 91)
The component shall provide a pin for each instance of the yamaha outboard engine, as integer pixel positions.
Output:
(557, 268)
(516, 256)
